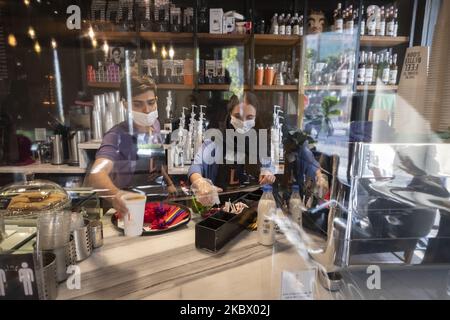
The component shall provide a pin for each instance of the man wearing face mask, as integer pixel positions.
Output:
(207, 176)
(121, 161)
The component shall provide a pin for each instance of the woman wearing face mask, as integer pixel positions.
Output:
(239, 161)
(119, 164)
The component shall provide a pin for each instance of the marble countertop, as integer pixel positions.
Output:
(168, 266)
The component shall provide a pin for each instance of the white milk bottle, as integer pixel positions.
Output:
(266, 212)
(296, 205)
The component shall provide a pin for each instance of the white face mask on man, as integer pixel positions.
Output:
(145, 119)
(240, 126)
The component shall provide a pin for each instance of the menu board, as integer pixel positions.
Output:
(18, 277)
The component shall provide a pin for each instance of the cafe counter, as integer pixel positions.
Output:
(168, 266)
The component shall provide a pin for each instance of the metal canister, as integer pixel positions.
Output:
(96, 233)
(75, 137)
(57, 150)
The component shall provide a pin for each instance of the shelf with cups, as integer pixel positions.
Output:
(348, 87)
(277, 40)
(379, 41)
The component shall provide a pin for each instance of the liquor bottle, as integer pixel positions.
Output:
(385, 69)
(363, 22)
(351, 69)
(203, 17)
(281, 25)
(376, 67)
(393, 70)
(300, 23)
(350, 20)
(342, 72)
(395, 23)
(333, 27)
(371, 24)
(381, 31)
(274, 28)
(369, 69)
(390, 24)
(296, 25)
(339, 22)
(288, 23)
(361, 69)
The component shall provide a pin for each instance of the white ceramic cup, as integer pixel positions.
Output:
(134, 220)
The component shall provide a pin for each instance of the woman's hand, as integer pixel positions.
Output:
(205, 192)
(266, 179)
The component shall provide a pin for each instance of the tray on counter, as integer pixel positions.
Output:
(146, 232)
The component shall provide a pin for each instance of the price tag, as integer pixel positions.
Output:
(298, 285)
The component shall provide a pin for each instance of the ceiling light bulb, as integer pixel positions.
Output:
(54, 44)
(171, 53)
(31, 33)
(12, 41)
(37, 47)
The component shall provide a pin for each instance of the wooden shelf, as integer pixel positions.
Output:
(226, 39)
(276, 88)
(276, 40)
(327, 87)
(126, 36)
(217, 87)
(376, 41)
(169, 86)
(104, 85)
(377, 88)
(168, 37)
(162, 86)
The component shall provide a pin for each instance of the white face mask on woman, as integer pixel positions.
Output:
(145, 119)
(240, 126)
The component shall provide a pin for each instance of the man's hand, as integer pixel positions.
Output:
(172, 190)
(266, 179)
(119, 204)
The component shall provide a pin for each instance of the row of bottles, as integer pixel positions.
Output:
(380, 22)
(377, 21)
(377, 67)
(267, 209)
(286, 24)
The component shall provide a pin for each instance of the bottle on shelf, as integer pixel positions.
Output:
(339, 21)
(390, 23)
(369, 69)
(361, 77)
(393, 70)
(296, 25)
(288, 25)
(381, 30)
(281, 25)
(342, 72)
(385, 69)
(376, 67)
(396, 23)
(274, 27)
(266, 212)
(351, 20)
(363, 22)
(203, 16)
(371, 24)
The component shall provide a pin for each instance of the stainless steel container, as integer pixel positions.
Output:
(75, 137)
(57, 150)
(82, 243)
(49, 284)
(96, 233)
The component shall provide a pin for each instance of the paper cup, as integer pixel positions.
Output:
(134, 221)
